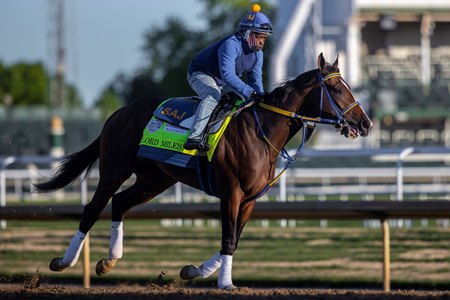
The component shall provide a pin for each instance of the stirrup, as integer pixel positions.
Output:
(192, 144)
(204, 147)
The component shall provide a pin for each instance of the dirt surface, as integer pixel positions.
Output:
(25, 253)
(33, 289)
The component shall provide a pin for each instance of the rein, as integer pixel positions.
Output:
(308, 129)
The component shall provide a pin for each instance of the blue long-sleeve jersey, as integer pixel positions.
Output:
(227, 60)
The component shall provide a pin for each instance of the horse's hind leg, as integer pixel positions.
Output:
(146, 188)
(115, 248)
(105, 189)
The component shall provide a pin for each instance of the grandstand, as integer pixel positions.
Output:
(395, 54)
(26, 131)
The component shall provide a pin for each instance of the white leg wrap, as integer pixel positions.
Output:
(73, 252)
(116, 242)
(225, 272)
(210, 266)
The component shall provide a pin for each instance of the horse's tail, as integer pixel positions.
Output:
(71, 167)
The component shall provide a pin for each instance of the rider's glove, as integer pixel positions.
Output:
(256, 97)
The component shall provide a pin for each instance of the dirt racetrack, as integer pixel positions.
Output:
(175, 292)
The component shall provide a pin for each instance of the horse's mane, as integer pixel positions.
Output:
(287, 88)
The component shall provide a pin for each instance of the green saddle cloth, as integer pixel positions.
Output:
(162, 134)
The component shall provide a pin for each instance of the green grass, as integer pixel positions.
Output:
(343, 254)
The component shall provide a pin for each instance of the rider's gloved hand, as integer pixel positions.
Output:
(253, 97)
(256, 97)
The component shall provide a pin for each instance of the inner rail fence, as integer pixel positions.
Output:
(385, 177)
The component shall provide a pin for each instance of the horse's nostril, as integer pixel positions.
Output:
(366, 124)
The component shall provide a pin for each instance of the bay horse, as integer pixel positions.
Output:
(243, 164)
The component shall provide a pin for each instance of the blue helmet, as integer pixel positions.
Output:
(255, 21)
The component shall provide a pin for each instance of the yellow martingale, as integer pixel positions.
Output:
(214, 138)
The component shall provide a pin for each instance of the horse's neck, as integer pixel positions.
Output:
(278, 129)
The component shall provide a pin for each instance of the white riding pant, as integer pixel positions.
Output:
(210, 93)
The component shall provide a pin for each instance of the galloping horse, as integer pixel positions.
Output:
(243, 163)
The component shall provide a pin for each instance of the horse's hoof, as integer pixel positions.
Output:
(189, 272)
(229, 287)
(104, 266)
(56, 265)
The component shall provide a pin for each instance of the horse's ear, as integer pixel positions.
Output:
(335, 64)
(321, 61)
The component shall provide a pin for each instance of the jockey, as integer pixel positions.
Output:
(216, 70)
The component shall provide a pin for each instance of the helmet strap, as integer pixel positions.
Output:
(247, 34)
(251, 40)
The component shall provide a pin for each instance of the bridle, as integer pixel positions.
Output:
(309, 123)
(339, 121)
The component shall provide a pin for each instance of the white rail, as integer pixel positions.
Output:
(16, 184)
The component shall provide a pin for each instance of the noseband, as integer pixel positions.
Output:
(308, 128)
(341, 121)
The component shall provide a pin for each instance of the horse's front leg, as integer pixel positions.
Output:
(205, 270)
(245, 211)
(210, 266)
(224, 259)
(229, 210)
(234, 217)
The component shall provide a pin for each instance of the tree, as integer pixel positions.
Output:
(73, 97)
(28, 84)
(127, 89)
(3, 81)
(170, 48)
(25, 83)
(142, 84)
(108, 102)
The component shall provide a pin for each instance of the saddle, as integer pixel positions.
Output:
(180, 111)
(169, 128)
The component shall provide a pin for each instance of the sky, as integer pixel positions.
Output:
(103, 37)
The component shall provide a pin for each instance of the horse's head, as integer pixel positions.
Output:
(320, 96)
(335, 101)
